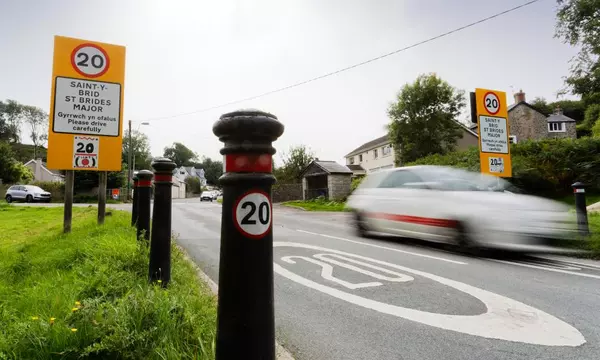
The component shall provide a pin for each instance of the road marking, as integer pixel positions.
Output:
(547, 268)
(505, 319)
(384, 247)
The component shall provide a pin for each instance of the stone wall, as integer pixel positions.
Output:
(286, 192)
(339, 186)
(571, 132)
(527, 124)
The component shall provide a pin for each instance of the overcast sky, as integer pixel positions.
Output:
(184, 56)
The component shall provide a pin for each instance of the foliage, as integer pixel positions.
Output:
(355, 183)
(11, 170)
(423, 119)
(212, 169)
(86, 294)
(294, 162)
(37, 121)
(26, 152)
(577, 24)
(318, 204)
(546, 167)
(141, 150)
(180, 154)
(55, 188)
(192, 185)
(87, 180)
(592, 115)
(596, 129)
(10, 121)
(575, 109)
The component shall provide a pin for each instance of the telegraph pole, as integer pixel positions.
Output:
(129, 169)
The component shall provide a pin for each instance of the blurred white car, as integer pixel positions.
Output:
(27, 193)
(454, 206)
(207, 195)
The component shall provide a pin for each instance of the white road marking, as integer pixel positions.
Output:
(398, 277)
(505, 319)
(384, 247)
(547, 268)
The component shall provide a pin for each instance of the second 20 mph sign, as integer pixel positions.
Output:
(252, 214)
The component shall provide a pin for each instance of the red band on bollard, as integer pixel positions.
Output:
(144, 183)
(260, 163)
(163, 177)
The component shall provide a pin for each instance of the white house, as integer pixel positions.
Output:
(42, 173)
(178, 188)
(184, 171)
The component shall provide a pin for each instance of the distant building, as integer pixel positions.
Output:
(184, 172)
(42, 173)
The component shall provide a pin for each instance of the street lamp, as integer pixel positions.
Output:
(129, 162)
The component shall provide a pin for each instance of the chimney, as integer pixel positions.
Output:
(519, 97)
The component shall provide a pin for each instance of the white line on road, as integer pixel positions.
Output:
(547, 268)
(384, 247)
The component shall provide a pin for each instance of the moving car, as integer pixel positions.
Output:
(449, 205)
(207, 195)
(27, 193)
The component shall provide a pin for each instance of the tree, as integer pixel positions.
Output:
(141, 150)
(212, 169)
(423, 119)
(10, 120)
(193, 185)
(37, 120)
(294, 162)
(11, 170)
(578, 22)
(180, 154)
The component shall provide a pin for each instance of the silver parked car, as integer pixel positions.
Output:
(27, 193)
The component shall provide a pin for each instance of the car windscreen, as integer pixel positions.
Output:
(34, 188)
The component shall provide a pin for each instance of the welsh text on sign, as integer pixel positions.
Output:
(493, 133)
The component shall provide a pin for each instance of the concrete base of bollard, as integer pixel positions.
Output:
(280, 351)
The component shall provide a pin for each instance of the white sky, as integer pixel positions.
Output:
(188, 55)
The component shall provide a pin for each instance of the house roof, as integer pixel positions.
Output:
(355, 167)
(330, 167)
(513, 106)
(53, 172)
(559, 117)
(369, 145)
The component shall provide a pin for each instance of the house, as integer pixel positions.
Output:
(42, 173)
(184, 172)
(326, 178)
(178, 188)
(378, 154)
(526, 122)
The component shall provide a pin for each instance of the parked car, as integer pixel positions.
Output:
(207, 195)
(469, 209)
(27, 193)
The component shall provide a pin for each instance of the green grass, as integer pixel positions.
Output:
(594, 240)
(220, 201)
(317, 205)
(94, 280)
(590, 198)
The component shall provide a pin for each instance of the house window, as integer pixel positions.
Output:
(556, 127)
(375, 154)
(351, 160)
(360, 158)
(512, 139)
(386, 150)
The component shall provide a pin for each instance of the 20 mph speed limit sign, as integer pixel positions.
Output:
(90, 60)
(491, 103)
(252, 214)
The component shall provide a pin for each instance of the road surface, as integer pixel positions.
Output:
(338, 296)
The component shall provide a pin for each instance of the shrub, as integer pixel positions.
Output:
(56, 188)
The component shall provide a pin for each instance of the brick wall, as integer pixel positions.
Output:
(286, 192)
(339, 186)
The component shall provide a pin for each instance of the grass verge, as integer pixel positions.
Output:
(594, 240)
(590, 198)
(85, 294)
(317, 205)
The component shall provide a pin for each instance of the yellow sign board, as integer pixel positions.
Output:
(86, 105)
(494, 131)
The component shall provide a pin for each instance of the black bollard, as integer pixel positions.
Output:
(159, 269)
(581, 208)
(143, 194)
(245, 314)
(134, 205)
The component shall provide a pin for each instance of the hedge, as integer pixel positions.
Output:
(546, 167)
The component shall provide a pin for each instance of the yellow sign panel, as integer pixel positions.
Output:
(494, 131)
(86, 105)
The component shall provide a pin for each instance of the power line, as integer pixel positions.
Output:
(351, 66)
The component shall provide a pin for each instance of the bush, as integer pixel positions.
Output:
(546, 167)
(56, 188)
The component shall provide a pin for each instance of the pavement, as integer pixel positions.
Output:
(342, 297)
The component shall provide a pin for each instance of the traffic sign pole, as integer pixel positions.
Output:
(68, 212)
(245, 314)
(103, 178)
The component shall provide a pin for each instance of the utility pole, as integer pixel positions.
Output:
(129, 169)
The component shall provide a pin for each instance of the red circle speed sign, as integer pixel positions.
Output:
(253, 214)
(491, 102)
(90, 60)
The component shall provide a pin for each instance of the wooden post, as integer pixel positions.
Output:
(103, 178)
(68, 213)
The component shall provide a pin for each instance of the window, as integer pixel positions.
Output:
(386, 150)
(512, 139)
(400, 179)
(360, 158)
(375, 154)
(351, 160)
(182, 172)
(556, 127)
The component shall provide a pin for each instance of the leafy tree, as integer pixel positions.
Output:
(193, 185)
(578, 22)
(212, 169)
(294, 162)
(141, 149)
(10, 121)
(180, 154)
(37, 121)
(423, 119)
(11, 170)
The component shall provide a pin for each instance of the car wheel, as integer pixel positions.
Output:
(29, 198)
(464, 239)
(362, 228)
(8, 199)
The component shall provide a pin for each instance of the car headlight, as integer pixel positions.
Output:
(37, 194)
